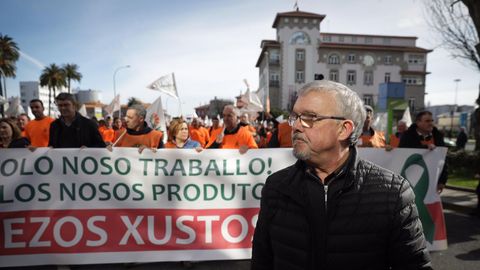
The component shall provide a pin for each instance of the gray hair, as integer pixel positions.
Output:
(139, 109)
(233, 108)
(349, 104)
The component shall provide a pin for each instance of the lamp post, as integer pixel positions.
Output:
(454, 108)
(115, 90)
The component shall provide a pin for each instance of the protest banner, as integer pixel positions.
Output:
(172, 205)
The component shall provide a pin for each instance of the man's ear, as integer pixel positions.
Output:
(346, 129)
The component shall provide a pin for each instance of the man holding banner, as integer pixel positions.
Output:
(234, 136)
(423, 134)
(138, 133)
(332, 209)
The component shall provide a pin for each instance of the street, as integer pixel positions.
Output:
(463, 251)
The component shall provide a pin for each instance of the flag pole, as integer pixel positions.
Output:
(178, 96)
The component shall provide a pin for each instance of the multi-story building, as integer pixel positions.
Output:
(213, 108)
(32, 90)
(302, 53)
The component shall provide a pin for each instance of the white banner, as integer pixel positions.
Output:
(173, 205)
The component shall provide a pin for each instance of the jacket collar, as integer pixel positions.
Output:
(342, 179)
(146, 129)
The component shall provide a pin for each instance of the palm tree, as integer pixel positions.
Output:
(9, 54)
(71, 73)
(53, 77)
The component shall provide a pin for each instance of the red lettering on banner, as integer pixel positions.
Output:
(116, 230)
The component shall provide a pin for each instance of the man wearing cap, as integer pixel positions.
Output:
(371, 137)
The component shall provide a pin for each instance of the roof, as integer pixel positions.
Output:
(343, 46)
(367, 35)
(296, 14)
(413, 72)
(264, 45)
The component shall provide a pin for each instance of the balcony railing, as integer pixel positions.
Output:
(274, 61)
(274, 83)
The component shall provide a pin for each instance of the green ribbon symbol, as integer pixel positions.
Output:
(421, 190)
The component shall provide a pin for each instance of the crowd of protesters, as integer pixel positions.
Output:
(72, 130)
(239, 131)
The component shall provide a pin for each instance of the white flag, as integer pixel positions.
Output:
(165, 84)
(29, 113)
(407, 118)
(155, 117)
(114, 105)
(15, 109)
(253, 102)
(83, 111)
(2, 100)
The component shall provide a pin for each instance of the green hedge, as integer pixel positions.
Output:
(463, 163)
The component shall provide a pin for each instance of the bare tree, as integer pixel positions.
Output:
(458, 24)
(456, 28)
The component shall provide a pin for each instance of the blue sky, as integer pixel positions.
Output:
(210, 45)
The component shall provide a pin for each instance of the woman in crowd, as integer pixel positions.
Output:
(178, 136)
(10, 135)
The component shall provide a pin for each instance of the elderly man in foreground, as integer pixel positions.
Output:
(331, 209)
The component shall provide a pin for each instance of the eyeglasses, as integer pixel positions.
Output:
(307, 120)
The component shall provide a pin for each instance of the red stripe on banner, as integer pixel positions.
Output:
(436, 212)
(112, 230)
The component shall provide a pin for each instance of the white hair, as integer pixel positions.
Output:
(348, 103)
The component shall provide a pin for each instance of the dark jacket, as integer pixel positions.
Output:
(462, 140)
(19, 143)
(368, 220)
(82, 132)
(411, 139)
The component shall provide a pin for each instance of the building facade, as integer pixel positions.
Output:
(88, 96)
(302, 53)
(214, 108)
(32, 90)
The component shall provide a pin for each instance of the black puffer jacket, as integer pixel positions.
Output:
(368, 221)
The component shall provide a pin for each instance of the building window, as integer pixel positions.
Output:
(299, 76)
(415, 59)
(351, 58)
(412, 81)
(300, 38)
(368, 40)
(333, 59)
(327, 38)
(300, 55)
(274, 80)
(411, 104)
(341, 39)
(387, 60)
(368, 78)
(368, 100)
(387, 77)
(333, 75)
(386, 41)
(274, 55)
(351, 77)
(354, 39)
